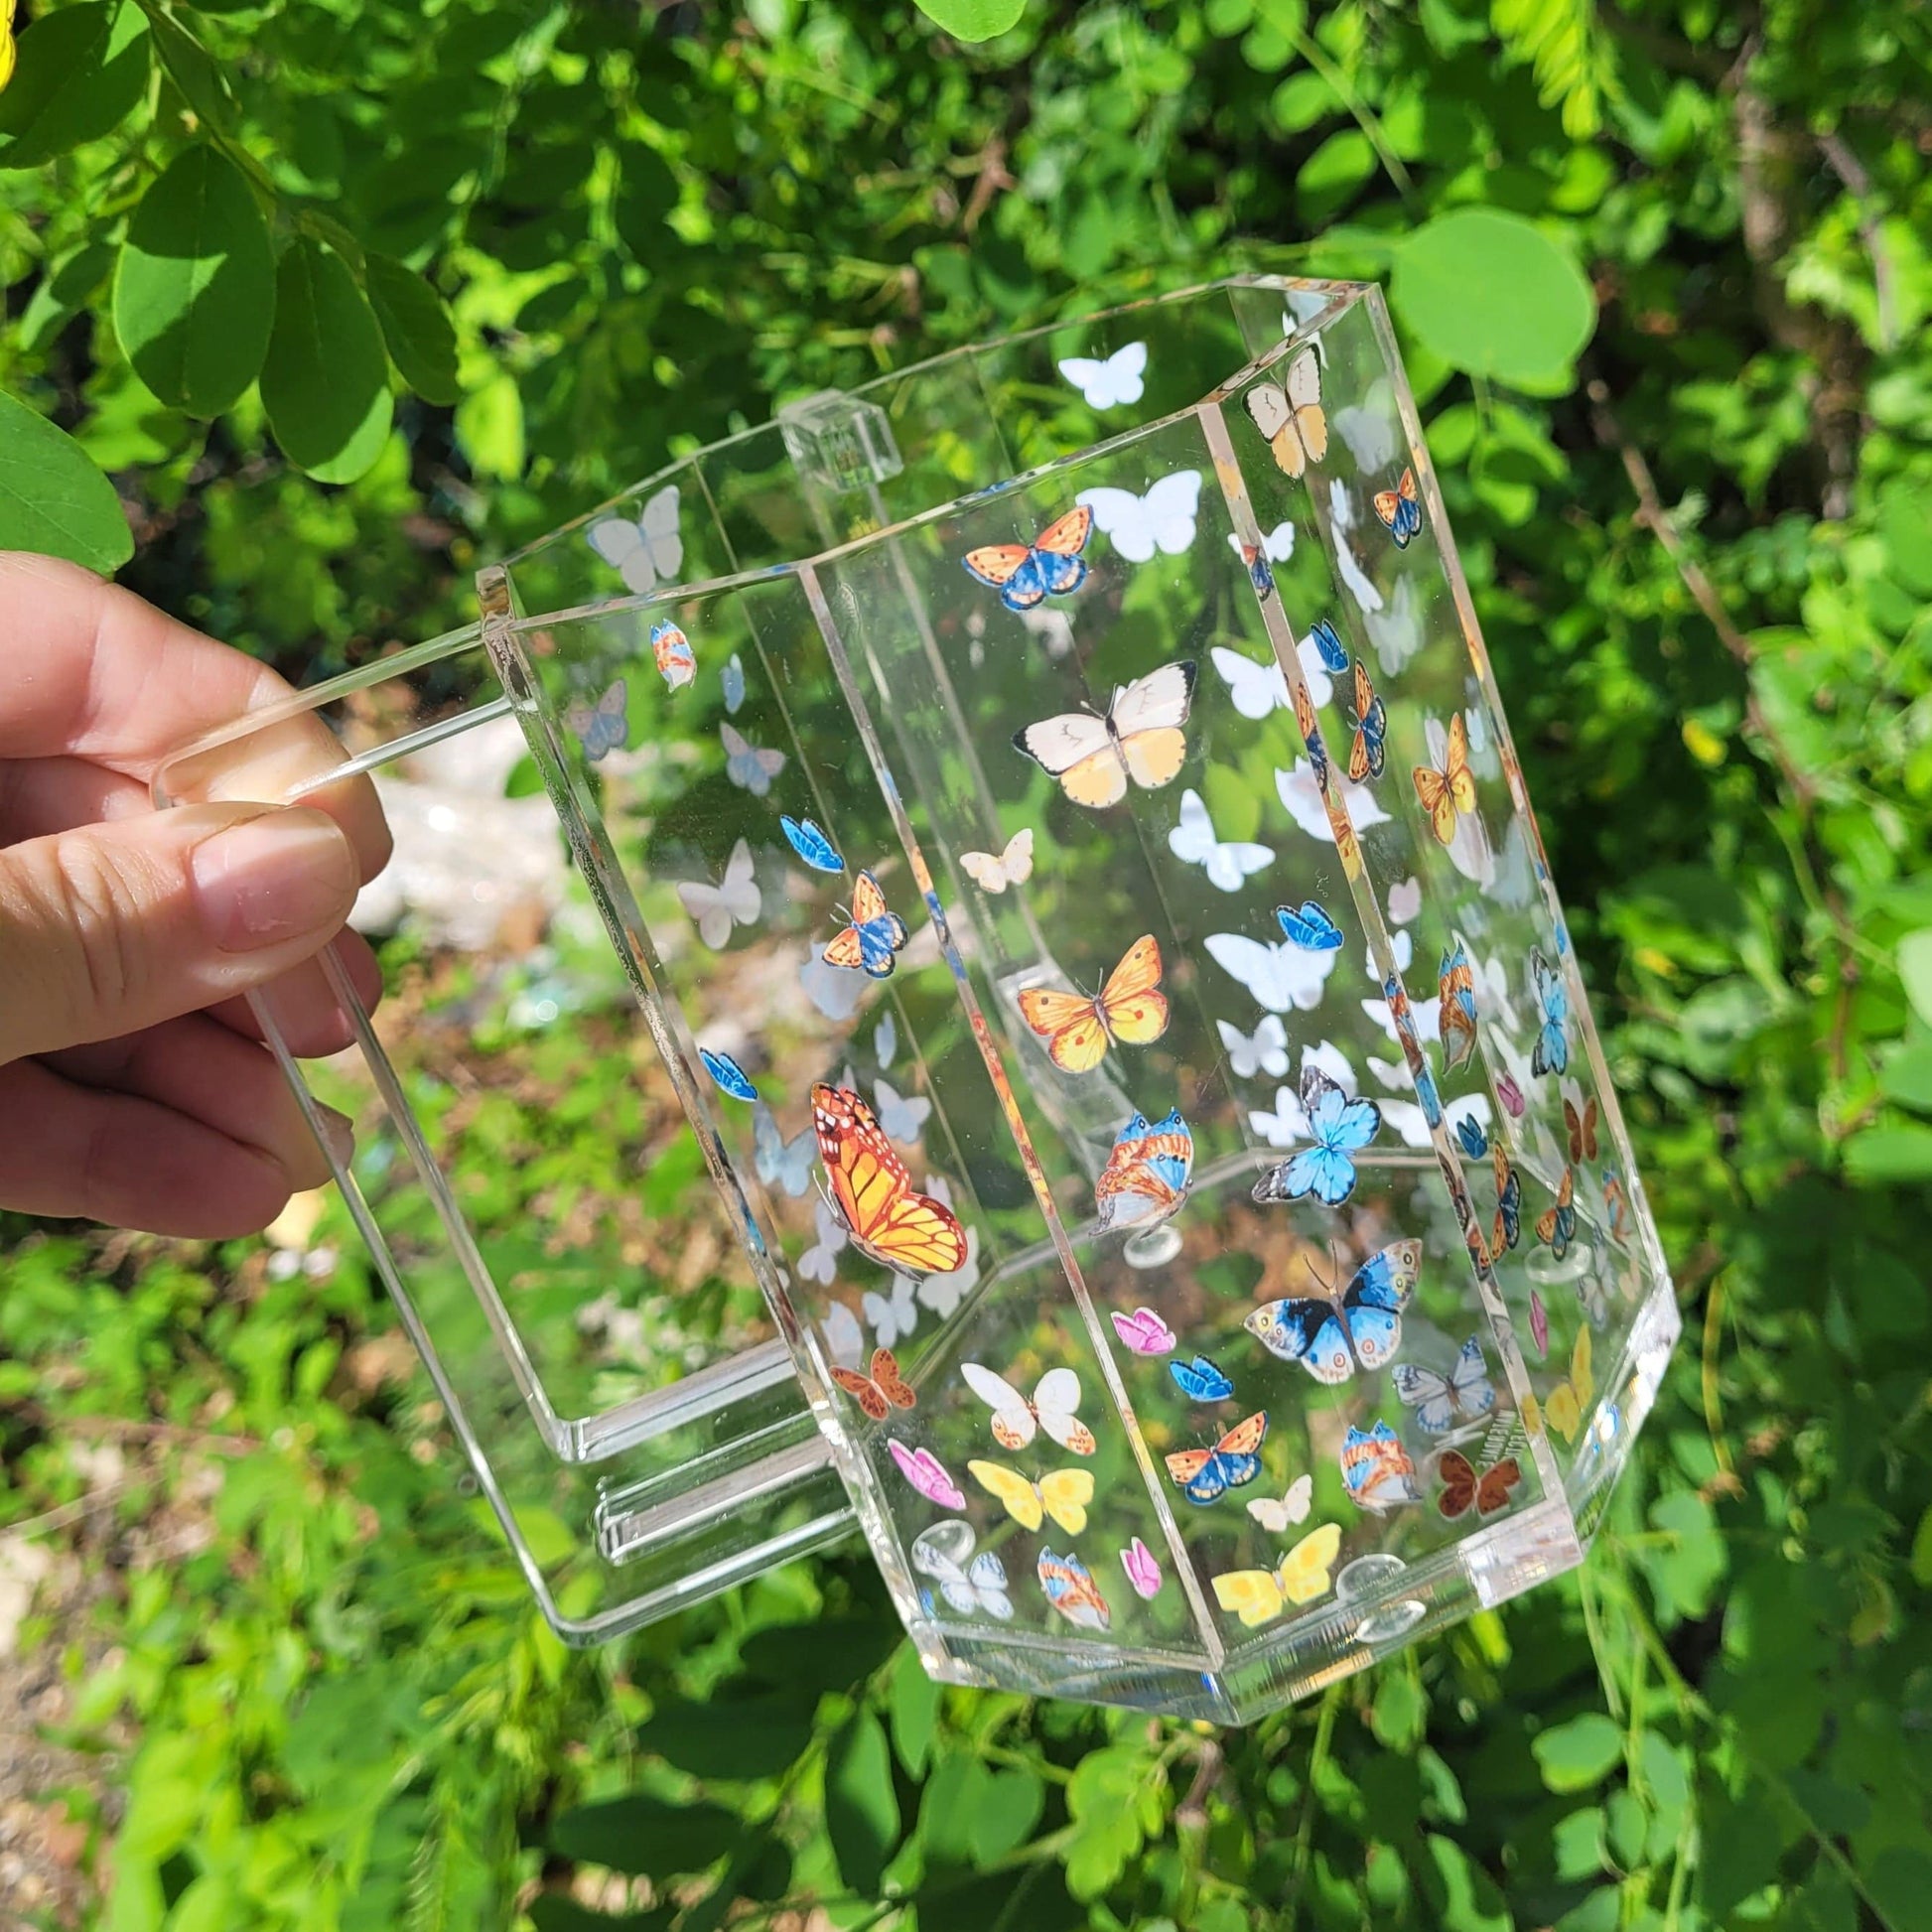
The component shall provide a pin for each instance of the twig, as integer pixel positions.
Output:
(1192, 1809)
(1850, 170)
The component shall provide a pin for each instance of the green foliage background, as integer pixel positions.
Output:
(344, 295)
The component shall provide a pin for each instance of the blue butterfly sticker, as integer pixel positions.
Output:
(731, 1077)
(1339, 1128)
(1329, 1333)
(1310, 926)
(1551, 1053)
(1200, 1381)
(1400, 511)
(731, 678)
(1475, 1140)
(1204, 1474)
(602, 727)
(811, 845)
(1329, 647)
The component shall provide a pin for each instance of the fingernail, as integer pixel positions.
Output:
(273, 878)
(338, 1135)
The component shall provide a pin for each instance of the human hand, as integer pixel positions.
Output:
(133, 1085)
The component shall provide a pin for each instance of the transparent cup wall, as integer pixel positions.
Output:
(1092, 1459)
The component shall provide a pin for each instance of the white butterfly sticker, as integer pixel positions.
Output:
(1278, 974)
(731, 678)
(993, 873)
(1427, 1015)
(1265, 1051)
(894, 1314)
(782, 1163)
(1355, 580)
(903, 1119)
(1276, 545)
(1396, 633)
(1514, 881)
(820, 1261)
(1368, 427)
(1056, 1397)
(1301, 794)
(944, 1552)
(833, 990)
(1194, 843)
(844, 1339)
(644, 549)
(1258, 689)
(1403, 949)
(1405, 902)
(749, 767)
(1275, 1516)
(884, 1039)
(1407, 1119)
(1285, 1125)
(1107, 384)
(1163, 520)
(718, 907)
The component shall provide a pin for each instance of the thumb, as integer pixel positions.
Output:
(113, 928)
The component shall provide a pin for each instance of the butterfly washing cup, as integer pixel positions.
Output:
(981, 975)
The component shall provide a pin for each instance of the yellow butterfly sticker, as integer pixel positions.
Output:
(7, 50)
(1569, 1400)
(1063, 1494)
(1260, 1596)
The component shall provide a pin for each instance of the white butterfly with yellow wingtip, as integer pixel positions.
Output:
(1290, 416)
(1056, 1397)
(995, 871)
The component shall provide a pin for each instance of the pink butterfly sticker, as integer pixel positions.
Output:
(1511, 1095)
(924, 1471)
(1144, 1332)
(1539, 1323)
(1141, 1570)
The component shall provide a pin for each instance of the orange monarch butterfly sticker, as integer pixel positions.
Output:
(872, 1194)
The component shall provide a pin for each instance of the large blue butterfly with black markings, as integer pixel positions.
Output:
(1331, 1333)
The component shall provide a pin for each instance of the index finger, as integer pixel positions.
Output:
(94, 672)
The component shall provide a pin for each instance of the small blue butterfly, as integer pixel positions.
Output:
(600, 726)
(1200, 1381)
(1551, 1053)
(731, 678)
(1260, 577)
(1475, 1142)
(811, 845)
(1432, 1101)
(1339, 1128)
(1204, 1474)
(1329, 647)
(1310, 926)
(731, 1077)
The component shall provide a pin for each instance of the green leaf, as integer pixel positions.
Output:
(65, 288)
(81, 71)
(1885, 1157)
(1400, 1710)
(647, 192)
(195, 291)
(1580, 1753)
(1116, 1800)
(914, 1707)
(646, 1836)
(1915, 969)
(1007, 1805)
(842, 1649)
(860, 1807)
(748, 1737)
(52, 498)
(973, 19)
(197, 78)
(489, 426)
(325, 380)
(1492, 295)
(416, 328)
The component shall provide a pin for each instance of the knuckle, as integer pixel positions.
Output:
(102, 909)
(77, 920)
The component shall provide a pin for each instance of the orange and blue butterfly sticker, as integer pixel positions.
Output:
(1028, 573)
